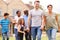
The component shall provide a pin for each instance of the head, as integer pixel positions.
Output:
(6, 15)
(21, 21)
(18, 13)
(37, 4)
(26, 12)
(49, 7)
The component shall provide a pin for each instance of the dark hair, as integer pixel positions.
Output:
(18, 11)
(37, 1)
(6, 14)
(49, 5)
(20, 21)
(26, 12)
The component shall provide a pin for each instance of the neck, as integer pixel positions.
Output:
(5, 18)
(36, 8)
(50, 12)
(18, 16)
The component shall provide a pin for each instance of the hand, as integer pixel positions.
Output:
(42, 27)
(24, 33)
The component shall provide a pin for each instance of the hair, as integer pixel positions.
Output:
(26, 12)
(6, 14)
(18, 11)
(20, 21)
(49, 5)
(37, 1)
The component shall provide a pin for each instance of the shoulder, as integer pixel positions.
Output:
(15, 17)
(54, 14)
(2, 19)
(32, 10)
(45, 13)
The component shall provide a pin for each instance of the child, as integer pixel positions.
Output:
(21, 25)
(5, 26)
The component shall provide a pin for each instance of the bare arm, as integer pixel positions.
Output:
(56, 18)
(20, 30)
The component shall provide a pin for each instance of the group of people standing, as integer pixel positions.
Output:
(32, 23)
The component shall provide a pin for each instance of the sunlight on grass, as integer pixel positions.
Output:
(43, 38)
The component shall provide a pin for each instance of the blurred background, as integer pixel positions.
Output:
(11, 6)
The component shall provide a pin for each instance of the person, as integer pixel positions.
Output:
(21, 26)
(37, 25)
(5, 22)
(51, 21)
(27, 32)
(16, 18)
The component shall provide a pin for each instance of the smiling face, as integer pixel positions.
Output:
(49, 7)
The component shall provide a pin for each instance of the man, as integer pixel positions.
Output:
(27, 32)
(5, 26)
(16, 18)
(36, 15)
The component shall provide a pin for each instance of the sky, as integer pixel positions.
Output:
(44, 3)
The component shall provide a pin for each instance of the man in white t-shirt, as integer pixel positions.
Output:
(36, 16)
(16, 18)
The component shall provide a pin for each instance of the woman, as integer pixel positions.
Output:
(51, 23)
(21, 25)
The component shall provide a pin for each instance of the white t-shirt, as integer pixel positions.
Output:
(36, 17)
(16, 18)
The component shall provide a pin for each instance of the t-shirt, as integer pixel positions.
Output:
(16, 18)
(5, 25)
(36, 17)
(26, 20)
(51, 21)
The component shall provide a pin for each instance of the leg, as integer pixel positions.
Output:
(49, 34)
(21, 36)
(16, 33)
(39, 33)
(54, 34)
(26, 35)
(30, 35)
(3, 36)
(33, 32)
(7, 35)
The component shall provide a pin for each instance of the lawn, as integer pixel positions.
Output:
(43, 38)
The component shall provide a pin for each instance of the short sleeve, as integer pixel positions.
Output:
(30, 13)
(0, 22)
(43, 13)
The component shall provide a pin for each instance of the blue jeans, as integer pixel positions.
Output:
(16, 33)
(36, 31)
(51, 33)
(5, 36)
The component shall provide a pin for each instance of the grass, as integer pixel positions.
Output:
(43, 38)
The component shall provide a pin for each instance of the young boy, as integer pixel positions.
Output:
(5, 26)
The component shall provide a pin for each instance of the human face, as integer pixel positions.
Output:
(19, 13)
(37, 4)
(50, 8)
(6, 17)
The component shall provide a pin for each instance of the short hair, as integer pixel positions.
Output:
(26, 12)
(18, 11)
(37, 1)
(6, 14)
(49, 5)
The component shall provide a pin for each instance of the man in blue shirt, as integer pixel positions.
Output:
(27, 32)
(5, 26)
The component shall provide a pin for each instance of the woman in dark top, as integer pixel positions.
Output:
(21, 28)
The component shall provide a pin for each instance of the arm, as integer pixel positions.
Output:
(43, 22)
(29, 19)
(20, 30)
(57, 19)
